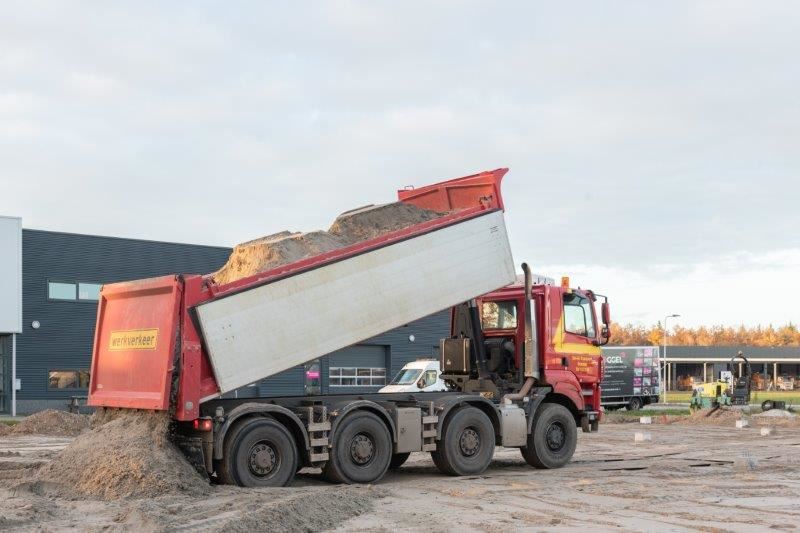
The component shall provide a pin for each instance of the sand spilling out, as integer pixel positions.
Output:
(52, 422)
(265, 253)
(127, 454)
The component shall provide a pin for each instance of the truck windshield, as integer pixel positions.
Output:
(499, 315)
(407, 376)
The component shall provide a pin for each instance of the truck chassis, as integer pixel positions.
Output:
(356, 438)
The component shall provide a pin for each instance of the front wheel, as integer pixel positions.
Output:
(467, 444)
(552, 441)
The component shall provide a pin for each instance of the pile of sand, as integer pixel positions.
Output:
(52, 422)
(286, 247)
(127, 454)
(777, 413)
(5, 429)
(721, 416)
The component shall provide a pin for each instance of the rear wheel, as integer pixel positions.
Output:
(262, 453)
(467, 443)
(398, 460)
(362, 450)
(635, 404)
(553, 438)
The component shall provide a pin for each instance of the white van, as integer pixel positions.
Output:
(423, 375)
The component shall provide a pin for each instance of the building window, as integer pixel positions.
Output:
(89, 291)
(68, 379)
(67, 290)
(57, 290)
(340, 376)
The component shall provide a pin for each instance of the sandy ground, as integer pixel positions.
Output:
(710, 478)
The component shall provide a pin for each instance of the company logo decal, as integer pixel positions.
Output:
(133, 339)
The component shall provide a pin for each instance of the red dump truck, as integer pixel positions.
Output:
(522, 359)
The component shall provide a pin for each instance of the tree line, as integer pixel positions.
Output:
(637, 335)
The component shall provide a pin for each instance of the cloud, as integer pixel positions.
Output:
(638, 134)
(731, 289)
(92, 84)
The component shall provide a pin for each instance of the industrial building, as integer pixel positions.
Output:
(773, 368)
(48, 305)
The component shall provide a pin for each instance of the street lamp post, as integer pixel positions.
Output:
(661, 375)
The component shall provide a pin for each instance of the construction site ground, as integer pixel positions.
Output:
(687, 477)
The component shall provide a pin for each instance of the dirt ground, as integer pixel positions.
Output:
(686, 477)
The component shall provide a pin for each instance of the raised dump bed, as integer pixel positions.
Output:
(231, 334)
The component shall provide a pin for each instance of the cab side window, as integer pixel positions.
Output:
(499, 315)
(578, 317)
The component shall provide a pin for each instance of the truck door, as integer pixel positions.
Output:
(579, 333)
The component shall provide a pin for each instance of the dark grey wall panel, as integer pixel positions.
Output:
(64, 340)
(287, 383)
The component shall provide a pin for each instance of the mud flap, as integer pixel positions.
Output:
(192, 448)
(590, 421)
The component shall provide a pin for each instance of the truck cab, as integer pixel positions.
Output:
(566, 333)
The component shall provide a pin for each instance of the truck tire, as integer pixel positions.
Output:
(362, 450)
(553, 438)
(467, 444)
(634, 404)
(262, 453)
(224, 467)
(398, 460)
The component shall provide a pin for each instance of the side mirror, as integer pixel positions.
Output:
(605, 310)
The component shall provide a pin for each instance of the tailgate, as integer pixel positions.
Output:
(134, 344)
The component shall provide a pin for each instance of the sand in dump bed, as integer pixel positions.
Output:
(5, 429)
(52, 422)
(127, 454)
(286, 247)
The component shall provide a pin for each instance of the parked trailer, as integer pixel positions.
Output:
(519, 377)
(630, 377)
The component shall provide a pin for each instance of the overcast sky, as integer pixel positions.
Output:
(654, 147)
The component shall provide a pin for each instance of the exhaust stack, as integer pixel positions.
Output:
(530, 348)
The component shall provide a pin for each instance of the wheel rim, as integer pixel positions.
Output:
(555, 436)
(469, 442)
(263, 460)
(362, 449)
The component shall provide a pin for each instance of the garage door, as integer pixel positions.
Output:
(360, 368)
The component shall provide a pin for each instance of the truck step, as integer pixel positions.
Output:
(430, 419)
(319, 426)
(429, 447)
(321, 441)
(318, 457)
(429, 433)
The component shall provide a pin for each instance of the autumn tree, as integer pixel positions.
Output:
(638, 335)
